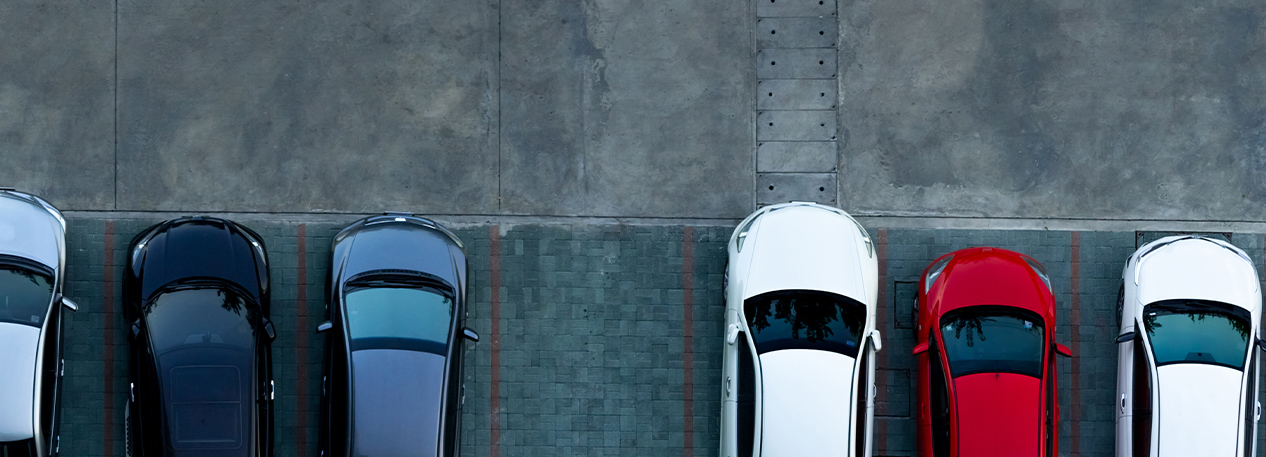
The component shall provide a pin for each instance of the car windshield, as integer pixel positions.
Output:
(192, 316)
(805, 319)
(993, 339)
(399, 317)
(1197, 331)
(24, 295)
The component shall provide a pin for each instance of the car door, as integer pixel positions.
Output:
(864, 408)
(729, 386)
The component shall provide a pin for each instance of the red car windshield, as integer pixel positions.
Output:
(993, 340)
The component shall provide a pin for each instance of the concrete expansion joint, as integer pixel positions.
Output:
(797, 99)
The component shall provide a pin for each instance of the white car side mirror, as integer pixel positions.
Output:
(731, 335)
(879, 345)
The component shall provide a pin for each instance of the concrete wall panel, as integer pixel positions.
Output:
(56, 101)
(333, 106)
(626, 108)
(1052, 108)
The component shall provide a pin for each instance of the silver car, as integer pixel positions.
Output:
(32, 267)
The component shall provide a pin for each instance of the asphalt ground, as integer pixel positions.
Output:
(597, 339)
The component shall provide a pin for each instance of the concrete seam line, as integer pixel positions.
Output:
(301, 340)
(1075, 327)
(494, 400)
(687, 335)
(107, 311)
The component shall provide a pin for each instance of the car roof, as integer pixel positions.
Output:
(783, 238)
(17, 380)
(398, 402)
(198, 247)
(1198, 409)
(30, 228)
(1197, 268)
(806, 404)
(990, 276)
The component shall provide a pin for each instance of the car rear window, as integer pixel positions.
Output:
(805, 319)
(993, 339)
(392, 317)
(24, 295)
(1197, 331)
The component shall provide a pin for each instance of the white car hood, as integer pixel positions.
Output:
(1198, 410)
(30, 231)
(17, 380)
(784, 239)
(1198, 269)
(805, 408)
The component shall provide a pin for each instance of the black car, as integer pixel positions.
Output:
(196, 294)
(396, 299)
(32, 275)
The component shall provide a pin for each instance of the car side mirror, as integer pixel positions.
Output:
(1261, 344)
(921, 348)
(135, 331)
(1063, 350)
(269, 330)
(470, 334)
(70, 304)
(324, 327)
(875, 337)
(1127, 336)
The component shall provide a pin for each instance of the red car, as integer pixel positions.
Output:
(986, 356)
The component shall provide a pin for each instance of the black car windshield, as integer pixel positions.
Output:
(24, 295)
(189, 316)
(993, 339)
(805, 319)
(1197, 331)
(399, 317)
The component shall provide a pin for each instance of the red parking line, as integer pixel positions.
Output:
(494, 263)
(1073, 345)
(301, 341)
(107, 311)
(687, 333)
(881, 361)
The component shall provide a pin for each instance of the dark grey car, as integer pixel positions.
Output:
(396, 307)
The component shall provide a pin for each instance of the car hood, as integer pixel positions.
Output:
(401, 246)
(30, 231)
(998, 414)
(806, 403)
(17, 380)
(1198, 269)
(1198, 410)
(397, 401)
(782, 240)
(198, 248)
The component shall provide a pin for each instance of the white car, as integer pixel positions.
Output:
(1187, 374)
(32, 263)
(800, 338)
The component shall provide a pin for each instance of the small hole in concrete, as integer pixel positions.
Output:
(823, 125)
(821, 189)
(771, 94)
(819, 3)
(773, 63)
(771, 124)
(823, 94)
(820, 62)
(773, 32)
(821, 32)
(771, 187)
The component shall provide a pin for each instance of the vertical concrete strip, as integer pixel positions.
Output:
(107, 311)
(1074, 321)
(881, 361)
(494, 261)
(687, 334)
(301, 340)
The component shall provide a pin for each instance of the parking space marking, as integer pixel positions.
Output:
(494, 263)
(301, 341)
(687, 334)
(1075, 324)
(107, 310)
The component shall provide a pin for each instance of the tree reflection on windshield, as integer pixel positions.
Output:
(1196, 331)
(805, 320)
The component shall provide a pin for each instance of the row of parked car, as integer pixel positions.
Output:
(196, 295)
(800, 343)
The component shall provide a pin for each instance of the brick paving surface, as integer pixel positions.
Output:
(592, 334)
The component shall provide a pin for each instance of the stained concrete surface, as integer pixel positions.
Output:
(57, 100)
(1053, 108)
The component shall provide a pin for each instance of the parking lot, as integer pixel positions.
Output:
(597, 339)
